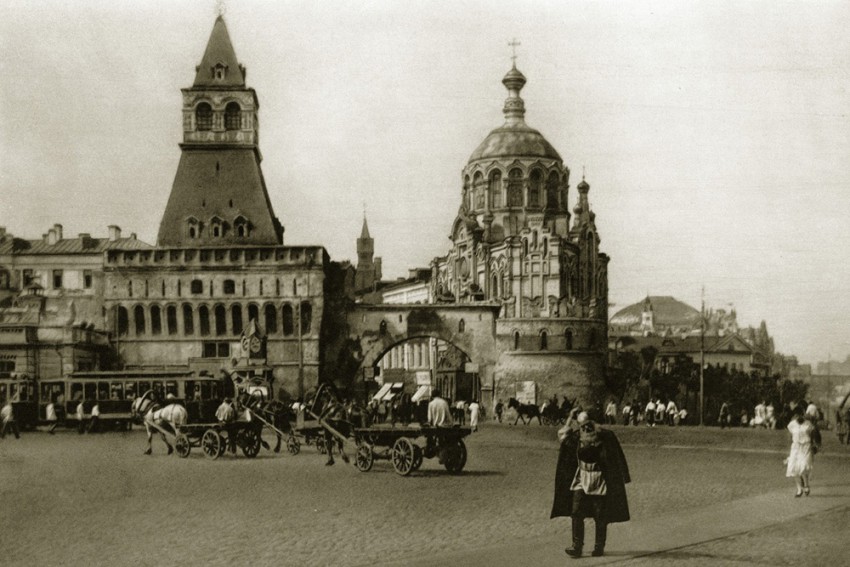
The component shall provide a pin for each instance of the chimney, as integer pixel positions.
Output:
(57, 228)
(2, 232)
(132, 236)
(114, 232)
(85, 240)
(51, 236)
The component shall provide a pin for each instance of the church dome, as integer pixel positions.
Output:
(667, 312)
(515, 138)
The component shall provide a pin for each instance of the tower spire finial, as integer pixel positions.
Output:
(220, 8)
(513, 45)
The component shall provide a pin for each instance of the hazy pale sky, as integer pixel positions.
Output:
(715, 135)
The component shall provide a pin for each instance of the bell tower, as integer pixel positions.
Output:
(219, 195)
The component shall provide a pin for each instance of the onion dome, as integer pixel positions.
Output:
(515, 138)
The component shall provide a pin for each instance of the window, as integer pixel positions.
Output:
(156, 320)
(461, 326)
(568, 337)
(122, 321)
(591, 338)
(204, 116)
(229, 287)
(6, 368)
(515, 188)
(219, 71)
(216, 349)
(197, 286)
(236, 317)
(188, 320)
(478, 187)
(220, 320)
(253, 313)
(139, 315)
(271, 318)
(204, 320)
(240, 230)
(26, 277)
(516, 340)
(87, 279)
(288, 320)
(57, 279)
(171, 319)
(232, 116)
(306, 317)
(496, 189)
(544, 340)
(552, 191)
(534, 187)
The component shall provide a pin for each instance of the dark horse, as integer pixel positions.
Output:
(523, 411)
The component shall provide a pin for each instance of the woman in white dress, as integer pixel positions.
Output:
(800, 458)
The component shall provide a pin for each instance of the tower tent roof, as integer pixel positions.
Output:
(219, 52)
(364, 233)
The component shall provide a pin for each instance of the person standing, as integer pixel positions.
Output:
(660, 412)
(611, 413)
(725, 415)
(590, 481)
(474, 409)
(81, 417)
(94, 422)
(649, 413)
(51, 417)
(627, 411)
(801, 457)
(226, 415)
(7, 416)
(672, 413)
(500, 407)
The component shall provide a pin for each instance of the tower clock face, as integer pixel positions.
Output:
(255, 344)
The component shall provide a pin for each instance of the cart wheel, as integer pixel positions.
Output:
(320, 445)
(418, 455)
(364, 457)
(292, 445)
(212, 444)
(403, 456)
(181, 443)
(249, 441)
(454, 458)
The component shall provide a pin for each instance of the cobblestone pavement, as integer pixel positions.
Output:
(88, 500)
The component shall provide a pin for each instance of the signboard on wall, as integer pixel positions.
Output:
(423, 377)
(526, 392)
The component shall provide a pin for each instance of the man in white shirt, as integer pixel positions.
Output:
(81, 417)
(611, 413)
(439, 414)
(95, 418)
(7, 416)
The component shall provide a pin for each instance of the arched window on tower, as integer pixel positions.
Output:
(188, 320)
(544, 340)
(204, 116)
(236, 317)
(240, 225)
(480, 192)
(495, 184)
(516, 340)
(171, 319)
(494, 286)
(253, 312)
(220, 320)
(515, 187)
(568, 339)
(306, 317)
(288, 320)
(271, 318)
(204, 320)
(467, 196)
(122, 320)
(552, 191)
(232, 116)
(535, 184)
(139, 315)
(156, 320)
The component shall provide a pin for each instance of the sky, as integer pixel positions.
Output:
(714, 135)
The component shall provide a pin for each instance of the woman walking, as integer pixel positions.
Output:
(803, 448)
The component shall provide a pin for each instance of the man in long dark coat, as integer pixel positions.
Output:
(590, 481)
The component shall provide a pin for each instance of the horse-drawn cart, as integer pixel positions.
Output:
(398, 445)
(213, 438)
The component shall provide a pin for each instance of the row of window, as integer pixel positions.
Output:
(218, 321)
(232, 116)
(543, 339)
(196, 287)
(218, 227)
(539, 192)
(57, 278)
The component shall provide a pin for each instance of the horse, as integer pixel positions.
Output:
(148, 410)
(525, 410)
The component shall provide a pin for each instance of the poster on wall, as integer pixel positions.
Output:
(526, 392)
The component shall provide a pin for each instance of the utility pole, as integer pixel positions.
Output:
(702, 359)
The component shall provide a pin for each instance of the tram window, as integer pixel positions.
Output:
(130, 390)
(90, 390)
(2, 391)
(144, 387)
(157, 389)
(171, 388)
(13, 392)
(116, 391)
(76, 391)
(214, 391)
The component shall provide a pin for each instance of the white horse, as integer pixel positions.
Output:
(155, 417)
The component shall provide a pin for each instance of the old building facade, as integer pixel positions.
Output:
(515, 244)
